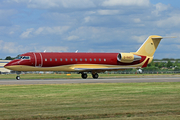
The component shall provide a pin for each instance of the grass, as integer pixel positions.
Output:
(91, 101)
(77, 76)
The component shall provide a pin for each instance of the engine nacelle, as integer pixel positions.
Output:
(127, 57)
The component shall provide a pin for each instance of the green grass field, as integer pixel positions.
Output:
(159, 101)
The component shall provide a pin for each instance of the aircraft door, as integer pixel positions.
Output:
(38, 60)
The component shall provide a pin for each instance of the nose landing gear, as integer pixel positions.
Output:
(18, 75)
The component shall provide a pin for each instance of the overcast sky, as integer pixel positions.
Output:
(88, 26)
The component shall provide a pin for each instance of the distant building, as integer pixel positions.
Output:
(2, 69)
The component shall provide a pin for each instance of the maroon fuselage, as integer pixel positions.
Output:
(52, 59)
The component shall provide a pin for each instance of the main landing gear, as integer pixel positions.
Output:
(84, 75)
(94, 75)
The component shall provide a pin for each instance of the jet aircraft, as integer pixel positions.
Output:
(86, 62)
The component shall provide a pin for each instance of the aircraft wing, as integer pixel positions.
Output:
(99, 69)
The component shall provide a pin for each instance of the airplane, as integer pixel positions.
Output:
(86, 62)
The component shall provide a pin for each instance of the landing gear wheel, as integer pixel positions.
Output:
(95, 76)
(84, 75)
(17, 77)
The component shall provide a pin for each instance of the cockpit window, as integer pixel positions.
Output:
(23, 57)
(19, 57)
(26, 57)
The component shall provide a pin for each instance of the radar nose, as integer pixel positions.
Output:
(6, 65)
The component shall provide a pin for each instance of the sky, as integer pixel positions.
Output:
(88, 26)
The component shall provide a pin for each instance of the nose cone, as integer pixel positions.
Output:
(6, 65)
(10, 64)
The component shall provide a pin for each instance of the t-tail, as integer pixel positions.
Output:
(148, 48)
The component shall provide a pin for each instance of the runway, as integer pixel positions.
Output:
(78, 81)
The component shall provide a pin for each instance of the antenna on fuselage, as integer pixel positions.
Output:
(76, 51)
(44, 51)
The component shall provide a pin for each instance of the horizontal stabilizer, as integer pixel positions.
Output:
(169, 37)
(164, 37)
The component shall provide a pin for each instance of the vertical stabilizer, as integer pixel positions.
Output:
(149, 47)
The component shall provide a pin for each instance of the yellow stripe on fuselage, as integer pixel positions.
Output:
(71, 67)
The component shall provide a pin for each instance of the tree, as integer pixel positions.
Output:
(9, 58)
(156, 64)
(162, 64)
(169, 64)
(177, 69)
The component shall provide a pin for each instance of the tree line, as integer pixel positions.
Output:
(164, 64)
(8, 58)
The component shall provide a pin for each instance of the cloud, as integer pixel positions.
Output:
(49, 4)
(51, 49)
(5, 13)
(169, 22)
(137, 20)
(73, 37)
(14, 48)
(27, 33)
(126, 3)
(108, 12)
(140, 39)
(17, 1)
(160, 8)
(11, 47)
(102, 35)
(9, 30)
(97, 25)
(52, 30)
(87, 19)
(43, 4)
(58, 30)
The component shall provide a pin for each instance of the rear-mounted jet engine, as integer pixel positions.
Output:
(127, 57)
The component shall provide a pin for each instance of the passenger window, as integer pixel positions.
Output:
(61, 59)
(71, 59)
(85, 59)
(99, 59)
(66, 59)
(45, 59)
(80, 59)
(50, 59)
(55, 59)
(90, 59)
(104, 59)
(76, 59)
(94, 59)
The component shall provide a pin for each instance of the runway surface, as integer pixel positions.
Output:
(71, 81)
